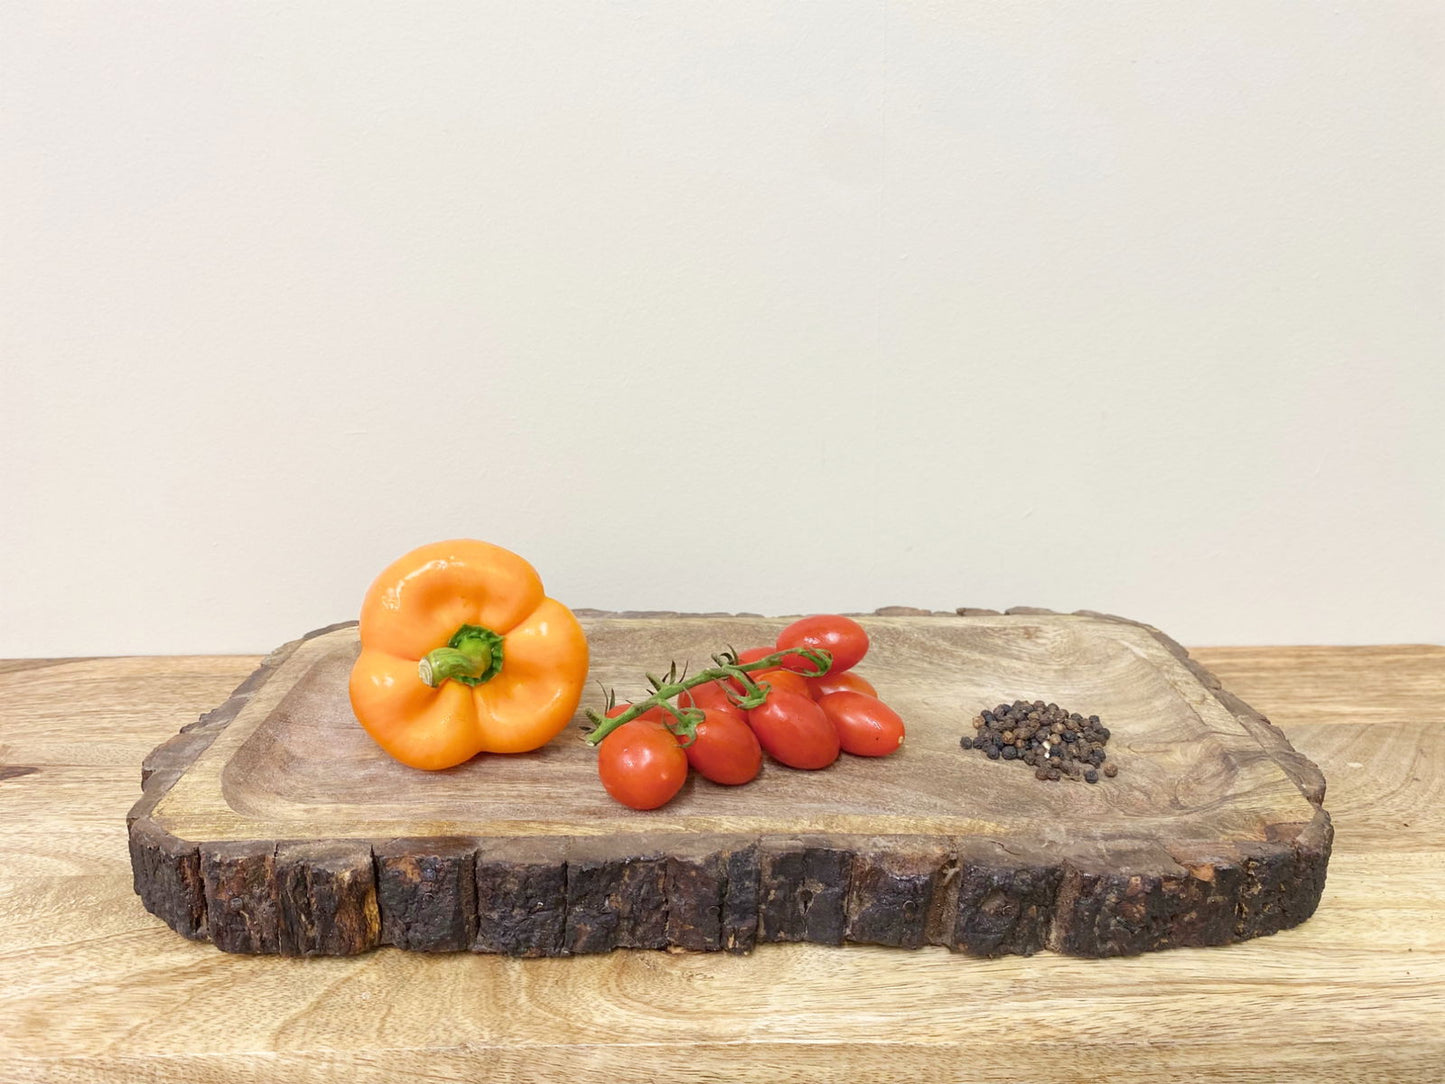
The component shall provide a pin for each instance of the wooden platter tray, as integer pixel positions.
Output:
(274, 825)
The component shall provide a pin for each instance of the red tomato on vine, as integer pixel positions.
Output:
(866, 726)
(848, 680)
(794, 731)
(724, 749)
(641, 764)
(840, 636)
(781, 681)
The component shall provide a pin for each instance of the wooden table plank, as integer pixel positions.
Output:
(1355, 993)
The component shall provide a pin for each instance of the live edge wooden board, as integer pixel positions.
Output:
(274, 825)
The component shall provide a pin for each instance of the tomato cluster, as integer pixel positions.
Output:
(804, 721)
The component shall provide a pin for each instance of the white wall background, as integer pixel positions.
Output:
(783, 307)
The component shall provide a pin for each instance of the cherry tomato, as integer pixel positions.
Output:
(725, 749)
(781, 681)
(711, 696)
(641, 764)
(794, 731)
(866, 726)
(851, 680)
(843, 637)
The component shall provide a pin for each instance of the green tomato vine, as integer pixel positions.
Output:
(726, 666)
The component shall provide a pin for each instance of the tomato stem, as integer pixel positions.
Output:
(686, 719)
(472, 656)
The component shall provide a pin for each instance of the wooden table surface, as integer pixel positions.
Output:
(92, 987)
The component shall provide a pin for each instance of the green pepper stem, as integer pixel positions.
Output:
(472, 656)
(728, 667)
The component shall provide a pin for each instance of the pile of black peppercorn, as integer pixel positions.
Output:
(1056, 743)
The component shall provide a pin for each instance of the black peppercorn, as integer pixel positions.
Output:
(1056, 743)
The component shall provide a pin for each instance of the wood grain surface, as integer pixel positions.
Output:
(259, 826)
(94, 988)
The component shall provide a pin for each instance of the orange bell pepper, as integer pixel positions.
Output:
(462, 653)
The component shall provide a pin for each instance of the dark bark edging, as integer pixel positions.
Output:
(563, 896)
(166, 871)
